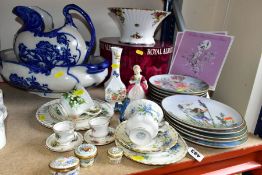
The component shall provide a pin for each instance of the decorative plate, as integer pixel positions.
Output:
(215, 137)
(212, 139)
(53, 145)
(163, 94)
(179, 84)
(229, 133)
(202, 112)
(44, 118)
(174, 154)
(164, 140)
(213, 144)
(100, 140)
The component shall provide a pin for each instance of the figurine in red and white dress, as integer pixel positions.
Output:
(137, 87)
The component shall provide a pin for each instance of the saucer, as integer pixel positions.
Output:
(174, 154)
(100, 140)
(164, 140)
(53, 145)
(45, 119)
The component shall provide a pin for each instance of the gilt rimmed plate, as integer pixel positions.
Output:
(174, 154)
(217, 137)
(178, 84)
(160, 92)
(44, 118)
(163, 94)
(213, 144)
(165, 139)
(202, 112)
(233, 132)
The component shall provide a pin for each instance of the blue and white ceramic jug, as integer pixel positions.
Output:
(38, 44)
(50, 61)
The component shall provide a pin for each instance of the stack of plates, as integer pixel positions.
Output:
(204, 121)
(167, 147)
(162, 86)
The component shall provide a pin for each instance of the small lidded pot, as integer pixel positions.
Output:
(115, 155)
(86, 153)
(65, 166)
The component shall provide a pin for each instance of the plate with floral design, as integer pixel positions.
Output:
(216, 133)
(165, 139)
(162, 93)
(202, 112)
(178, 84)
(82, 123)
(211, 139)
(215, 144)
(174, 154)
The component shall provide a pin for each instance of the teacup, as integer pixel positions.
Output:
(73, 104)
(99, 126)
(144, 107)
(76, 101)
(142, 129)
(64, 132)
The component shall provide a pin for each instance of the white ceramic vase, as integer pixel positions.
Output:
(115, 89)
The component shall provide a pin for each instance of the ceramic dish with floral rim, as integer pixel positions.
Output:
(159, 97)
(202, 112)
(213, 144)
(174, 154)
(100, 140)
(53, 145)
(165, 139)
(44, 118)
(210, 136)
(189, 134)
(232, 132)
(161, 93)
(179, 84)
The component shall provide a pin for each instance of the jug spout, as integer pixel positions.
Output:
(34, 18)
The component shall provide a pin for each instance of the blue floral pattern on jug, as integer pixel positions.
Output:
(46, 56)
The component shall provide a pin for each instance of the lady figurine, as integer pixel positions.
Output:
(138, 85)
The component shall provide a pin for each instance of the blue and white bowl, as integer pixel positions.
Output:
(56, 80)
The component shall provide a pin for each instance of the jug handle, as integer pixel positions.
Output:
(69, 20)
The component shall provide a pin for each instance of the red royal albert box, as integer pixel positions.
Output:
(153, 59)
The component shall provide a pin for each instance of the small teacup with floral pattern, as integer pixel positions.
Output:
(64, 132)
(73, 104)
(99, 126)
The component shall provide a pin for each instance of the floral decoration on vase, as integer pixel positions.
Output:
(115, 90)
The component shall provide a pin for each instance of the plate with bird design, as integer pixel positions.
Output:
(200, 112)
